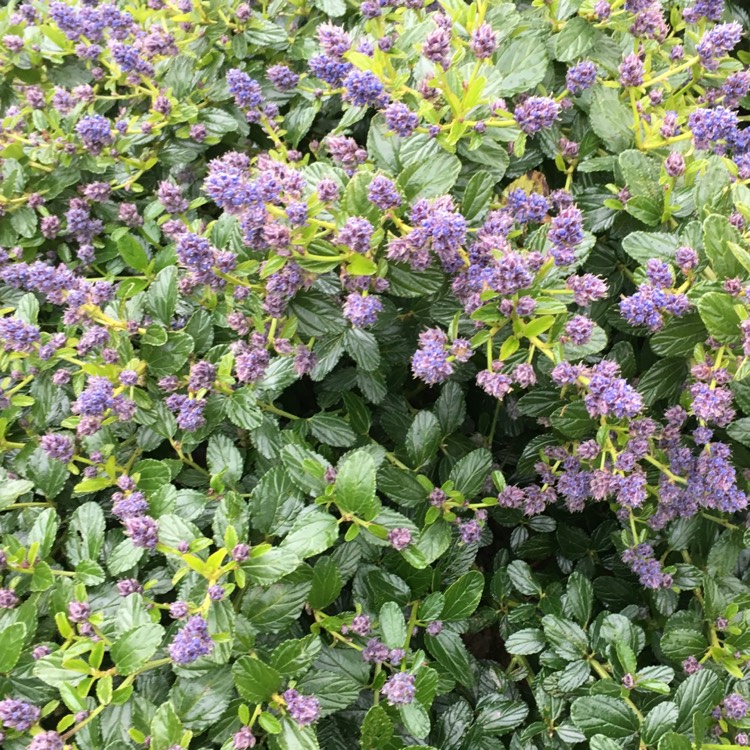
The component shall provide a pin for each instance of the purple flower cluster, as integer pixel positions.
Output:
(654, 298)
(642, 562)
(362, 310)
(735, 706)
(717, 42)
(609, 394)
(399, 538)
(245, 90)
(18, 715)
(433, 361)
(537, 113)
(362, 88)
(57, 446)
(565, 234)
(47, 741)
(189, 411)
(631, 71)
(580, 77)
(95, 132)
(399, 689)
(18, 336)
(191, 642)
(304, 709)
(436, 226)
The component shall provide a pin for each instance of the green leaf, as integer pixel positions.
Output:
(476, 198)
(710, 191)
(739, 430)
(48, 474)
(294, 737)
(24, 221)
(522, 62)
(450, 408)
(132, 252)
(333, 8)
(500, 716)
(312, 533)
(326, 583)
(431, 177)
(679, 336)
(717, 311)
(600, 742)
(152, 474)
(642, 246)
(463, 597)
(717, 234)
(305, 468)
(526, 641)
(243, 409)
(85, 533)
(135, 647)
(162, 295)
(255, 681)
(355, 485)
(600, 714)
(449, 651)
(663, 380)
(423, 438)
(273, 564)
(123, 557)
(316, 314)
(523, 579)
(573, 420)
(680, 643)
(224, 459)
(201, 700)
(294, 657)
(470, 472)
(415, 719)
(491, 154)
(11, 643)
(641, 174)
(575, 39)
(392, 625)
(218, 122)
(610, 119)
(596, 343)
(166, 728)
(659, 720)
(566, 639)
(12, 489)
(274, 608)
(580, 597)
(377, 729)
(168, 358)
(44, 531)
(674, 741)
(332, 430)
(698, 694)
(362, 347)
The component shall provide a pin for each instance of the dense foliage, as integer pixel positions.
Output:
(374, 377)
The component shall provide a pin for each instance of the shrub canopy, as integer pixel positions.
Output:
(374, 377)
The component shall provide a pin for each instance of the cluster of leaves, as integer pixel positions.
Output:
(374, 377)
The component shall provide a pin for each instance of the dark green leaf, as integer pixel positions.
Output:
(326, 583)
(255, 681)
(355, 486)
(600, 714)
(423, 438)
(136, 646)
(463, 597)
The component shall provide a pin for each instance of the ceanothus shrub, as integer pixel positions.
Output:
(374, 377)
